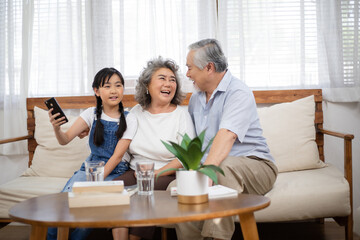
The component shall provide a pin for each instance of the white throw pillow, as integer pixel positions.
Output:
(290, 133)
(50, 158)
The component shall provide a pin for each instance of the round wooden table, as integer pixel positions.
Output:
(53, 211)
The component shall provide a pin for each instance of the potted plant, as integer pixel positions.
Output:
(192, 180)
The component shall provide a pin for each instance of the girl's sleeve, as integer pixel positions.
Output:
(131, 128)
(88, 116)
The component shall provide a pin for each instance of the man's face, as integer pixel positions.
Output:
(197, 75)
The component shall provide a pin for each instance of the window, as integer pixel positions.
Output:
(350, 16)
(272, 43)
(10, 48)
(58, 51)
(292, 43)
(71, 41)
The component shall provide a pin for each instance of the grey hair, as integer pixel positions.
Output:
(209, 50)
(142, 96)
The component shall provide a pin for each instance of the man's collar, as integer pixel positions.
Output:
(222, 86)
(224, 83)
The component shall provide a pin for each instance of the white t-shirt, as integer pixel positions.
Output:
(89, 115)
(152, 128)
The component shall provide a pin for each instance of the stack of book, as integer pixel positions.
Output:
(96, 194)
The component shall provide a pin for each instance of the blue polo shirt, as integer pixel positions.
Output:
(231, 106)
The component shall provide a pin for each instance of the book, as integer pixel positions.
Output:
(215, 192)
(100, 186)
(97, 199)
(220, 191)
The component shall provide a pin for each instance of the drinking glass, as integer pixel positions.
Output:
(94, 170)
(145, 177)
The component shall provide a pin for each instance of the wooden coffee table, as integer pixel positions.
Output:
(53, 211)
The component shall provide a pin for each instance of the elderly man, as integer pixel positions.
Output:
(226, 108)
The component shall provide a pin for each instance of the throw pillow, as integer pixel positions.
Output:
(290, 133)
(50, 158)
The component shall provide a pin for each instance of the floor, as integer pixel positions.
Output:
(267, 231)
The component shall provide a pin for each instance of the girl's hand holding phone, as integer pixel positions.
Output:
(56, 112)
(56, 122)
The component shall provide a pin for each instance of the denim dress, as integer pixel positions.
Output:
(103, 152)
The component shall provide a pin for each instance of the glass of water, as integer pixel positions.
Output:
(94, 170)
(145, 177)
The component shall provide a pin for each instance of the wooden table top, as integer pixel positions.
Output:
(160, 208)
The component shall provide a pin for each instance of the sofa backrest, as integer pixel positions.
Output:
(261, 97)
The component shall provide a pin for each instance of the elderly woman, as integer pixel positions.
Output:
(159, 117)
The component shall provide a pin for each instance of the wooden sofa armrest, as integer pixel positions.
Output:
(337, 134)
(9, 140)
(347, 174)
(347, 150)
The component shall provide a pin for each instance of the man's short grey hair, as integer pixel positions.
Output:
(142, 96)
(209, 50)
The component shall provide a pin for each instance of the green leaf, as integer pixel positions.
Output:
(190, 153)
(166, 170)
(202, 136)
(210, 173)
(195, 154)
(176, 152)
(183, 155)
(215, 168)
(196, 141)
(170, 148)
(185, 141)
(209, 144)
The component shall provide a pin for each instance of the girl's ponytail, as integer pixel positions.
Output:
(99, 127)
(122, 125)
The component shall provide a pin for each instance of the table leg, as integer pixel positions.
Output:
(63, 233)
(163, 233)
(248, 226)
(38, 232)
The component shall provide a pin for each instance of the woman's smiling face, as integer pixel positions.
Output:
(162, 86)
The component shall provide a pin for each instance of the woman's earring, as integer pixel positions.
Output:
(147, 91)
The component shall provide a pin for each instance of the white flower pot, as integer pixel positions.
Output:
(192, 187)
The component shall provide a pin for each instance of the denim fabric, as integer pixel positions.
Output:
(103, 152)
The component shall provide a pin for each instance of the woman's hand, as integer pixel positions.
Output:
(156, 172)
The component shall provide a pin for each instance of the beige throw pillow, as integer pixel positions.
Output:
(50, 158)
(290, 133)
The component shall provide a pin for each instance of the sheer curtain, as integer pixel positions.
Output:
(59, 49)
(146, 29)
(72, 40)
(339, 30)
(294, 44)
(54, 48)
(13, 85)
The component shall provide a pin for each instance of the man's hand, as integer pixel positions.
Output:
(84, 133)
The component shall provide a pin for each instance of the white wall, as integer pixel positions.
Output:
(12, 166)
(345, 118)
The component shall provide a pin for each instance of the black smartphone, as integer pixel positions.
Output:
(52, 103)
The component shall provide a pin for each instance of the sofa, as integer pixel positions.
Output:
(307, 187)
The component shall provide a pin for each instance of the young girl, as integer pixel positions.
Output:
(110, 134)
